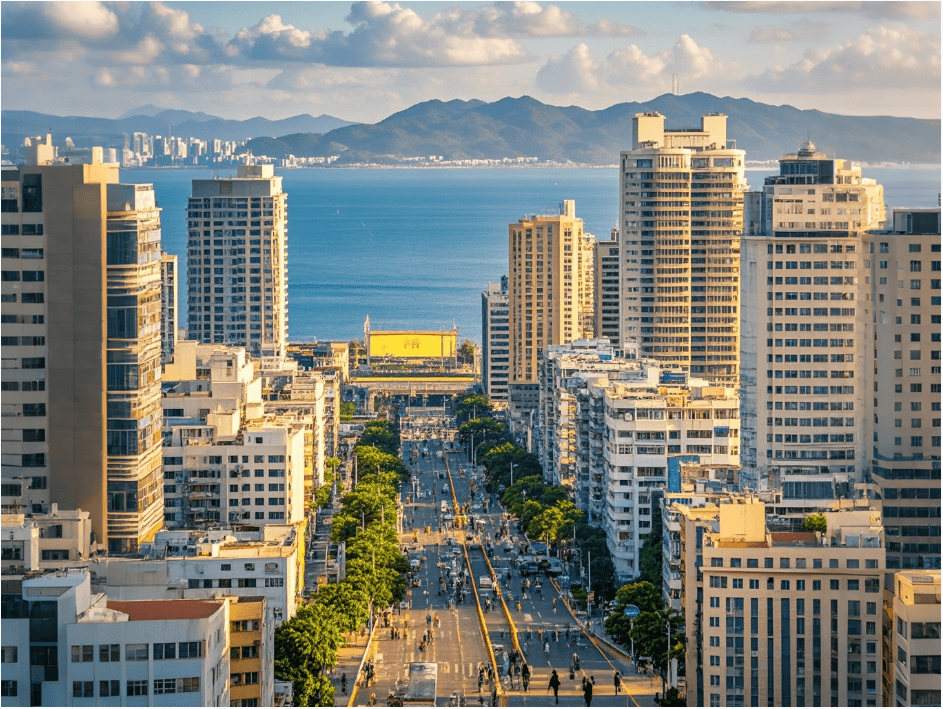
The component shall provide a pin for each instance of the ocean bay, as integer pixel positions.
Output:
(414, 248)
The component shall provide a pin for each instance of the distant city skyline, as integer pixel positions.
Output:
(366, 60)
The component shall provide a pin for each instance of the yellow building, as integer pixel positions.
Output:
(251, 658)
(549, 259)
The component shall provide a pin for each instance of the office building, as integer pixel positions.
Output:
(495, 345)
(904, 424)
(607, 291)
(681, 193)
(781, 618)
(544, 293)
(912, 675)
(81, 346)
(237, 261)
(806, 328)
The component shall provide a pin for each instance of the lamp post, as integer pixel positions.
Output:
(667, 659)
(512, 474)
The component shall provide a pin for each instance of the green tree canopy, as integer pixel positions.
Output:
(306, 647)
(469, 406)
(347, 603)
(815, 523)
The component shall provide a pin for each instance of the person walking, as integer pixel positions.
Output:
(555, 686)
(525, 676)
(587, 692)
(617, 681)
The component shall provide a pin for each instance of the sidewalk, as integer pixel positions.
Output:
(349, 659)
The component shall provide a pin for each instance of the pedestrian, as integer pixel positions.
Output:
(525, 676)
(344, 683)
(555, 686)
(587, 692)
(617, 681)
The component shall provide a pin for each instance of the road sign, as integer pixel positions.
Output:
(632, 611)
(591, 597)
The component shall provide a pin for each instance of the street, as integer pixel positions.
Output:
(548, 635)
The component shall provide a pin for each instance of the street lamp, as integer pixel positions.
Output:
(512, 474)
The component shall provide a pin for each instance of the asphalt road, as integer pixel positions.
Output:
(458, 644)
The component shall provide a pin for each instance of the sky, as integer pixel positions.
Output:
(364, 61)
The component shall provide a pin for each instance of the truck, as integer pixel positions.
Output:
(422, 684)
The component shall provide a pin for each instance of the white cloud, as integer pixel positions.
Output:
(881, 58)
(800, 31)
(883, 10)
(577, 70)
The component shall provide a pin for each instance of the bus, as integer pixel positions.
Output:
(422, 684)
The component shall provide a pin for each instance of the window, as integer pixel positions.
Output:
(137, 688)
(109, 688)
(9, 653)
(135, 653)
(83, 653)
(8, 688)
(109, 653)
(165, 651)
(83, 689)
(191, 649)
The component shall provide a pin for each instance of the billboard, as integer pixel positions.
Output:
(411, 345)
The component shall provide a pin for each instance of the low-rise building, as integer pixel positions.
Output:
(49, 540)
(70, 647)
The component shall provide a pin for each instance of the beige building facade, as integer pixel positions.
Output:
(681, 193)
(548, 261)
(807, 317)
(781, 618)
(912, 677)
(82, 344)
(904, 427)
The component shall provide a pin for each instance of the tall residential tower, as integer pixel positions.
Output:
(681, 193)
(237, 261)
(81, 298)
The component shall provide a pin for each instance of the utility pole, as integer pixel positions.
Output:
(512, 474)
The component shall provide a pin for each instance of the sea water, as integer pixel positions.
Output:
(414, 248)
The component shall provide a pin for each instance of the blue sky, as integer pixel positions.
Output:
(363, 61)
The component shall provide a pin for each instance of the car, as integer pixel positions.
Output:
(551, 567)
(529, 568)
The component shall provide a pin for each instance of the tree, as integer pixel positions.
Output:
(650, 631)
(305, 647)
(379, 435)
(644, 594)
(348, 604)
(650, 557)
(466, 353)
(348, 409)
(815, 523)
(471, 406)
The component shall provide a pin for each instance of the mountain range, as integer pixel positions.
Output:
(107, 132)
(516, 127)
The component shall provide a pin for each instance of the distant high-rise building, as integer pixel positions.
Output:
(81, 327)
(495, 347)
(547, 257)
(903, 423)
(806, 328)
(237, 263)
(682, 216)
(168, 310)
(606, 300)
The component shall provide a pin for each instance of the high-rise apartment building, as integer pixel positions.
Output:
(606, 300)
(237, 261)
(806, 326)
(903, 428)
(495, 348)
(81, 346)
(546, 269)
(681, 193)
(780, 618)
(168, 307)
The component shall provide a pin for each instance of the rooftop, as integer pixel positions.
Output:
(165, 610)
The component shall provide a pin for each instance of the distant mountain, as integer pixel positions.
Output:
(511, 127)
(85, 131)
(525, 127)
